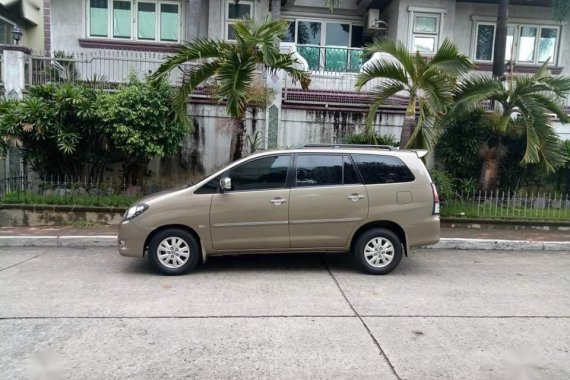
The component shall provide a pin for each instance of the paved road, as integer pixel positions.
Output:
(91, 314)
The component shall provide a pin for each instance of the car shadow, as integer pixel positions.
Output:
(300, 262)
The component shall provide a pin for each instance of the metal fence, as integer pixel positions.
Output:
(83, 191)
(508, 205)
(332, 59)
(105, 68)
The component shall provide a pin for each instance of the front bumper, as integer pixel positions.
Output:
(131, 239)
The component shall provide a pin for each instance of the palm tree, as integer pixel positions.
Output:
(429, 84)
(233, 67)
(522, 108)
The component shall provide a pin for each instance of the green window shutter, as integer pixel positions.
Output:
(169, 21)
(99, 18)
(122, 19)
(146, 21)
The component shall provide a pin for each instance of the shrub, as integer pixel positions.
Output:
(443, 182)
(363, 139)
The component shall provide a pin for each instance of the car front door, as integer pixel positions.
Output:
(254, 214)
(328, 201)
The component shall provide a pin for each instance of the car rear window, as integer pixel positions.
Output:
(376, 169)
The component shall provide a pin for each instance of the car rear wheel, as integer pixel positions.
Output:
(174, 251)
(378, 251)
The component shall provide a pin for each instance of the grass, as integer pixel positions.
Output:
(67, 200)
(489, 210)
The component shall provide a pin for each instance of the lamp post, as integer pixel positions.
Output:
(17, 34)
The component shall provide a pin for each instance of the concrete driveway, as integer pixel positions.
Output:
(91, 314)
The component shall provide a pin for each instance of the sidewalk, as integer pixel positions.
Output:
(451, 238)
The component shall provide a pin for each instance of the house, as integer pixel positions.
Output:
(28, 16)
(113, 37)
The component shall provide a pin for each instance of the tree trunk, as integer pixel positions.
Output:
(238, 130)
(501, 40)
(275, 9)
(409, 123)
(490, 169)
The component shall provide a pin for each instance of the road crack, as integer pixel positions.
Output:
(24, 261)
(357, 315)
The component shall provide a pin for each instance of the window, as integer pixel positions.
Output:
(150, 20)
(349, 174)
(328, 45)
(260, 174)
(6, 32)
(234, 12)
(319, 170)
(377, 169)
(425, 32)
(529, 44)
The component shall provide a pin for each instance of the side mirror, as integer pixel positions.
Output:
(226, 184)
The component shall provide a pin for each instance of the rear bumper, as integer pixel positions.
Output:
(131, 239)
(427, 233)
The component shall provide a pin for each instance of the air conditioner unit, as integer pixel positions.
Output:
(374, 23)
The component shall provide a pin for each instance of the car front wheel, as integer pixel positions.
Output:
(174, 251)
(378, 251)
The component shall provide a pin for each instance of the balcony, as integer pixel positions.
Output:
(329, 59)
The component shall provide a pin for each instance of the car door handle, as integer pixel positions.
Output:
(355, 197)
(278, 201)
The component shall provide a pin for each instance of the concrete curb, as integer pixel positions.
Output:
(444, 243)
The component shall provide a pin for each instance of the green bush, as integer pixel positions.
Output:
(444, 183)
(363, 139)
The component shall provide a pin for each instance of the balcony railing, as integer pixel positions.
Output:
(332, 59)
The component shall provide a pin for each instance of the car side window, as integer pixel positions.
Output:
(319, 170)
(261, 174)
(211, 187)
(349, 175)
(382, 169)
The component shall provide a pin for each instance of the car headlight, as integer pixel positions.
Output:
(135, 211)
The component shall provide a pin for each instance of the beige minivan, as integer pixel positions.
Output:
(374, 202)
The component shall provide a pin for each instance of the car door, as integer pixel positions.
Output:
(328, 201)
(254, 214)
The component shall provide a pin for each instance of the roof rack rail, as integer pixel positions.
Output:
(351, 146)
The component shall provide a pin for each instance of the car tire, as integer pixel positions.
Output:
(174, 251)
(378, 251)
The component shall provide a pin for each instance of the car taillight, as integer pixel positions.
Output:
(435, 199)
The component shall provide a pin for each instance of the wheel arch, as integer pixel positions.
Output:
(176, 226)
(389, 225)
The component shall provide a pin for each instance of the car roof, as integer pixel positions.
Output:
(345, 148)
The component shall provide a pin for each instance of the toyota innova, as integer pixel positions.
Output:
(374, 202)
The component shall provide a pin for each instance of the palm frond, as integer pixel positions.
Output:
(381, 70)
(235, 76)
(450, 60)
(191, 80)
(428, 129)
(381, 93)
(472, 91)
(203, 48)
(396, 49)
(287, 63)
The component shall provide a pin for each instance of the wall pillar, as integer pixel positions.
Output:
(14, 81)
(193, 16)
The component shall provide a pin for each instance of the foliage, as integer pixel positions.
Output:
(58, 130)
(254, 142)
(364, 139)
(76, 200)
(459, 145)
(429, 85)
(523, 107)
(139, 120)
(231, 70)
(74, 130)
(444, 183)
